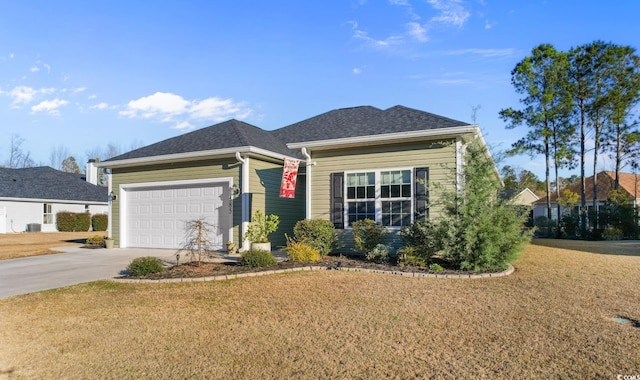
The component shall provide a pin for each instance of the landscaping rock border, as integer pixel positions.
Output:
(506, 272)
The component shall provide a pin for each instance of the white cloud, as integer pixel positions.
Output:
(387, 42)
(49, 106)
(79, 90)
(488, 24)
(356, 71)
(168, 107)
(100, 106)
(487, 53)
(417, 31)
(34, 69)
(46, 66)
(451, 12)
(11, 55)
(91, 97)
(22, 95)
(183, 126)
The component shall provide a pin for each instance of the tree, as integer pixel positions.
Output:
(57, 156)
(70, 165)
(479, 229)
(541, 78)
(18, 158)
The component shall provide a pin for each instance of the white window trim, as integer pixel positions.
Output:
(378, 197)
(44, 214)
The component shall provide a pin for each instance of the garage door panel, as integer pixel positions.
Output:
(156, 216)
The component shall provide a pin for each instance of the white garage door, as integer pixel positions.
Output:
(156, 215)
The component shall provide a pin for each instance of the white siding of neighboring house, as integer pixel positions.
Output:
(20, 213)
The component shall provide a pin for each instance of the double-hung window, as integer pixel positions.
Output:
(393, 197)
(47, 215)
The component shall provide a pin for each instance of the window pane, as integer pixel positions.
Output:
(395, 191)
(384, 191)
(351, 192)
(384, 178)
(386, 220)
(371, 191)
(360, 192)
(406, 207)
(351, 179)
(386, 207)
(371, 178)
(406, 191)
(406, 176)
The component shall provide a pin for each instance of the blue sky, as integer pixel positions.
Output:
(81, 74)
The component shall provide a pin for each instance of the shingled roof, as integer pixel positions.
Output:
(629, 182)
(336, 124)
(47, 183)
(228, 134)
(363, 121)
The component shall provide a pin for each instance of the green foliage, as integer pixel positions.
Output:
(142, 266)
(83, 221)
(436, 267)
(95, 241)
(612, 233)
(569, 224)
(257, 258)
(380, 254)
(407, 256)
(100, 222)
(261, 227)
(366, 234)
(65, 221)
(479, 229)
(302, 252)
(568, 198)
(318, 233)
(424, 236)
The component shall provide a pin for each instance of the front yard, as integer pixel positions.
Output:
(39, 243)
(551, 318)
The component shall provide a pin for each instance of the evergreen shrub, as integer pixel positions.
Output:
(100, 222)
(83, 221)
(318, 233)
(142, 266)
(65, 221)
(257, 258)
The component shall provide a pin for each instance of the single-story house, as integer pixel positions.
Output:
(524, 197)
(355, 163)
(30, 198)
(629, 183)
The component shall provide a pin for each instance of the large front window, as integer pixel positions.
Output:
(384, 196)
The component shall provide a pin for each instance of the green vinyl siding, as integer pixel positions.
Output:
(264, 184)
(177, 172)
(439, 157)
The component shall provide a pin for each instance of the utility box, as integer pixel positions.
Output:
(33, 227)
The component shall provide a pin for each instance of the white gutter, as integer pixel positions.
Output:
(11, 199)
(386, 137)
(190, 156)
(245, 198)
(309, 163)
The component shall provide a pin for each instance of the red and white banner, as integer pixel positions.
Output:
(289, 178)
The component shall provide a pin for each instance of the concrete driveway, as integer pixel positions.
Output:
(75, 266)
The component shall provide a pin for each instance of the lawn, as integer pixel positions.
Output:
(39, 243)
(552, 318)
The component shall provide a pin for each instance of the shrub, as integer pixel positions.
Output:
(366, 234)
(570, 223)
(318, 233)
(100, 222)
(380, 254)
(480, 230)
(65, 221)
(302, 252)
(436, 267)
(612, 233)
(83, 221)
(261, 227)
(407, 256)
(424, 237)
(256, 258)
(95, 241)
(142, 266)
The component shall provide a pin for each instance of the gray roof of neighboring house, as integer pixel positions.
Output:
(363, 121)
(228, 134)
(47, 183)
(336, 124)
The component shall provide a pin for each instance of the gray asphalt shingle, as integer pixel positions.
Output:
(47, 183)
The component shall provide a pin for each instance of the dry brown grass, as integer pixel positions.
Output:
(550, 319)
(39, 243)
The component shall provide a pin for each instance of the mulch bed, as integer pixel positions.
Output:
(205, 269)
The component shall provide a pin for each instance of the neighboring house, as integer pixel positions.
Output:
(629, 183)
(356, 163)
(31, 197)
(525, 197)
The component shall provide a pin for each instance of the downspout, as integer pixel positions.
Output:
(110, 207)
(245, 198)
(307, 194)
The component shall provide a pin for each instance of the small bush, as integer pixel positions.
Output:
(95, 241)
(367, 234)
(436, 267)
(65, 221)
(83, 221)
(424, 237)
(380, 254)
(407, 256)
(142, 266)
(257, 258)
(612, 233)
(302, 252)
(100, 222)
(318, 233)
